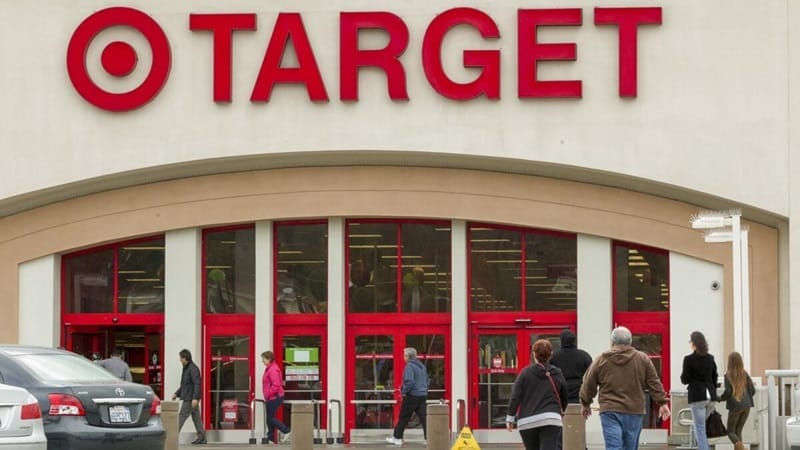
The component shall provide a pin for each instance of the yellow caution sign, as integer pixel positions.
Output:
(465, 441)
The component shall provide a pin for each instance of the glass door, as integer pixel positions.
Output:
(375, 369)
(498, 354)
(653, 340)
(302, 358)
(228, 375)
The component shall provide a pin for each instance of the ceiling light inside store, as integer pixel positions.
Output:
(496, 251)
(219, 267)
(638, 264)
(290, 252)
(309, 261)
(131, 271)
(490, 240)
(142, 248)
(504, 261)
(365, 236)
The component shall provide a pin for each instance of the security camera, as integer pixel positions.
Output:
(715, 285)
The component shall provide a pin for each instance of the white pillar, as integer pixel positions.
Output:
(336, 311)
(39, 302)
(595, 308)
(745, 257)
(264, 319)
(459, 344)
(182, 308)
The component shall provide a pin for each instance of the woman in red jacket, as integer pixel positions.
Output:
(272, 382)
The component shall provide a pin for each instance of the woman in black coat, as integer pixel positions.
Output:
(700, 375)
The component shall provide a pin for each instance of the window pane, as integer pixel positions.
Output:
(302, 280)
(495, 269)
(141, 277)
(373, 267)
(551, 283)
(497, 352)
(430, 351)
(426, 268)
(642, 279)
(230, 271)
(374, 371)
(230, 382)
(89, 282)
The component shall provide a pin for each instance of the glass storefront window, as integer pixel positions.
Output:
(501, 258)
(641, 279)
(495, 259)
(124, 278)
(230, 271)
(551, 282)
(141, 277)
(302, 268)
(398, 266)
(431, 353)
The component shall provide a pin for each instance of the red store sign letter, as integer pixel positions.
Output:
(388, 58)
(628, 19)
(531, 52)
(489, 60)
(222, 27)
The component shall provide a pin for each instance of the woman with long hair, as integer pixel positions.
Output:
(738, 396)
(538, 400)
(700, 374)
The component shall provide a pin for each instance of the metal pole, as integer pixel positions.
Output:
(745, 298)
(772, 410)
(738, 339)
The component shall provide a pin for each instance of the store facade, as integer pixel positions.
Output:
(454, 177)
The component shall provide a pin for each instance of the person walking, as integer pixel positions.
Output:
(738, 398)
(538, 400)
(415, 396)
(700, 375)
(272, 384)
(189, 393)
(573, 362)
(619, 377)
(116, 365)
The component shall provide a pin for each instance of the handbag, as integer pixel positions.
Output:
(555, 389)
(714, 426)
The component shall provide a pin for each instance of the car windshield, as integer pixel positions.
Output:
(64, 367)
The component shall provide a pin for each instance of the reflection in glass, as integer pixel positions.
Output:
(230, 271)
(301, 371)
(495, 269)
(302, 265)
(650, 343)
(141, 277)
(89, 282)
(373, 280)
(642, 279)
(374, 372)
(551, 282)
(230, 382)
(414, 256)
(426, 268)
(498, 359)
(430, 352)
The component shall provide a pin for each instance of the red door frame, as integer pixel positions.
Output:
(522, 333)
(399, 333)
(224, 328)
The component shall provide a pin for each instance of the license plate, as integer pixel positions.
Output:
(119, 414)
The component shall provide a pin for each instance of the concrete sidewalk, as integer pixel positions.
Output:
(377, 446)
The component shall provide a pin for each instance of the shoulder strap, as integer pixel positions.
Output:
(553, 384)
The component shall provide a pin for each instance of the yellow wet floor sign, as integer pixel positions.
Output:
(465, 441)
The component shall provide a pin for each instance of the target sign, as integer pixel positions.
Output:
(118, 59)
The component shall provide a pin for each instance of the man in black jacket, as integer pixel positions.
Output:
(573, 362)
(189, 393)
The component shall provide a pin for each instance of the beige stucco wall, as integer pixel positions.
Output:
(385, 192)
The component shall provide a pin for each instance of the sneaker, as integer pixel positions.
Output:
(199, 441)
(394, 441)
(286, 437)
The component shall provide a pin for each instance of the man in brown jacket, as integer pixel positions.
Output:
(621, 375)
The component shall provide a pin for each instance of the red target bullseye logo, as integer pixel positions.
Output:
(118, 58)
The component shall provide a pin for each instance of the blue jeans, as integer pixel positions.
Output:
(621, 430)
(272, 421)
(699, 416)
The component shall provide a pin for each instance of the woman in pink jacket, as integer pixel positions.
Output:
(272, 382)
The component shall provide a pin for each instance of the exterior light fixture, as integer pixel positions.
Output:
(725, 226)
